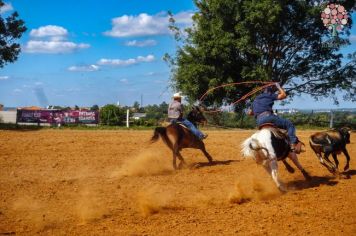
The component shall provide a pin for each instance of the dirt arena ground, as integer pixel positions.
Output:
(63, 182)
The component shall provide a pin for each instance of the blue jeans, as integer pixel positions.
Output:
(280, 123)
(190, 126)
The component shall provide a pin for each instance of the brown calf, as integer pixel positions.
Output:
(331, 142)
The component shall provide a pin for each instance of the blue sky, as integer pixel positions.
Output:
(87, 52)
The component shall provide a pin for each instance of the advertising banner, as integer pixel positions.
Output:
(57, 116)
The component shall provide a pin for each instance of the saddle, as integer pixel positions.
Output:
(281, 133)
(181, 124)
(166, 123)
(267, 125)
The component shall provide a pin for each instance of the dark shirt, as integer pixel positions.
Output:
(263, 102)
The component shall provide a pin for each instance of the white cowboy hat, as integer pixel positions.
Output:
(177, 95)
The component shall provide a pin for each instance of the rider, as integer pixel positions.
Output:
(175, 113)
(262, 110)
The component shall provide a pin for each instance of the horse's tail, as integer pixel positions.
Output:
(161, 132)
(157, 132)
(250, 146)
(312, 141)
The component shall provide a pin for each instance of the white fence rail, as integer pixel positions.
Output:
(8, 116)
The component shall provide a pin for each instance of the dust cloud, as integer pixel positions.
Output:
(253, 187)
(152, 200)
(89, 207)
(147, 162)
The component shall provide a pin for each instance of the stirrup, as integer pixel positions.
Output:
(297, 147)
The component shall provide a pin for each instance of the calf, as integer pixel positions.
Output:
(331, 142)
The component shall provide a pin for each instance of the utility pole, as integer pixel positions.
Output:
(141, 101)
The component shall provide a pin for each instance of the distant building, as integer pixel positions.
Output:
(287, 111)
(1, 107)
(32, 108)
(137, 115)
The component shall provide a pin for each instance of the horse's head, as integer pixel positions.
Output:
(345, 133)
(196, 115)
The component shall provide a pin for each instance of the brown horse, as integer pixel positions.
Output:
(177, 137)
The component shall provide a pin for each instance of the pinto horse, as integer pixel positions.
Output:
(176, 137)
(269, 145)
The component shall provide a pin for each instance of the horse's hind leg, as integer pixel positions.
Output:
(294, 158)
(182, 162)
(272, 168)
(324, 162)
(347, 159)
(335, 160)
(175, 154)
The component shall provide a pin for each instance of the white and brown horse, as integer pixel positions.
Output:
(269, 145)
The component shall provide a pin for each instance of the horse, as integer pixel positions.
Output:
(177, 137)
(269, 145)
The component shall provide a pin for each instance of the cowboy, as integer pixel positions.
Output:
(175, 113)
(263, 112)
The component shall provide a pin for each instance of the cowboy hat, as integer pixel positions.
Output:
(177, 95)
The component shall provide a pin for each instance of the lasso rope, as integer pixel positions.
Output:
(266, 84)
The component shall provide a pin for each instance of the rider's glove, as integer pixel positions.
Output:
(277, 85)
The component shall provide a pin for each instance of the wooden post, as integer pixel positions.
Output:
(127, 118)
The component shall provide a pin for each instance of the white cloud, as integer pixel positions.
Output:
(51, 39)
(86, 68)
(144, 24)
(144, 43)
(125, 81)
(49, 31)
(53, 47)
(128, 62)
(17, 90)
(148, 58)
(4, 77)
(7, 7)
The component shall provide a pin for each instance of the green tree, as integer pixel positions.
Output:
(95, 108)
(136, 106)
(11, 29)
(111, 114)
(263, 40)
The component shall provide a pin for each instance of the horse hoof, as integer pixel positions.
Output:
(282, 189)
(346, 168)
(306, 175)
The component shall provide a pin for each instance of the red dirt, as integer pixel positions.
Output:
(62, 182)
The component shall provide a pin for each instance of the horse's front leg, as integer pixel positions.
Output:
(289, 168)
(294, 158)
(207, 155)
